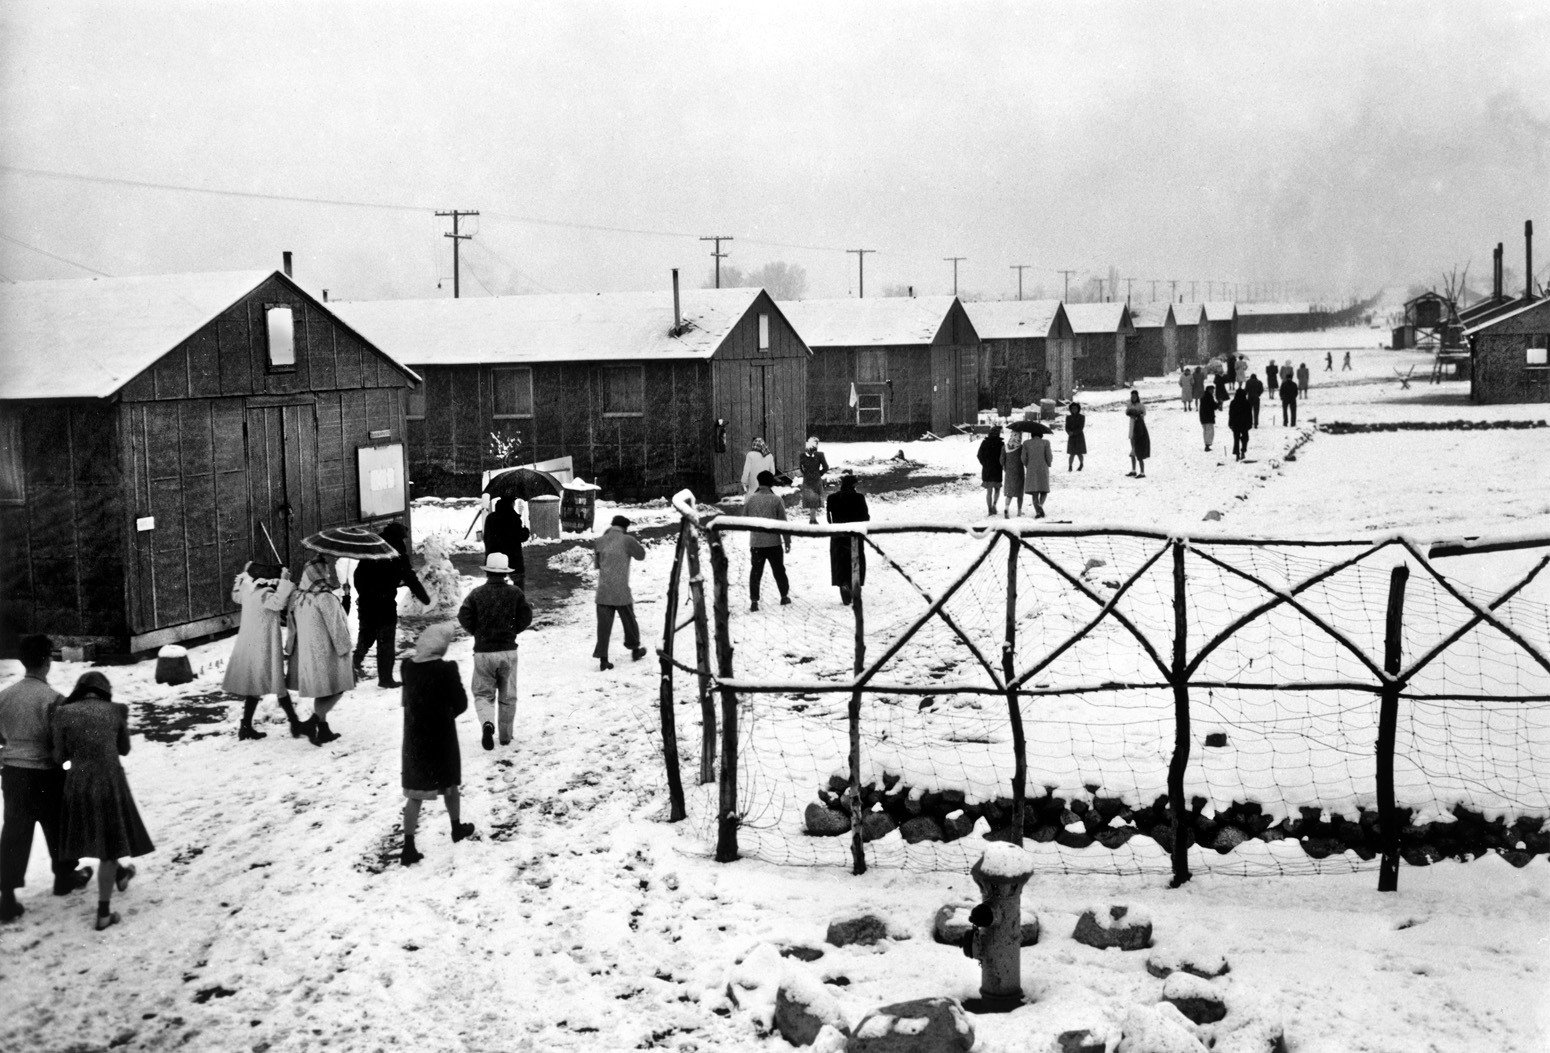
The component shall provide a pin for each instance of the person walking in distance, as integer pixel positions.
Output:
(1140, 438)
(1302, 380)
(319, 645)
(1288, 402)
(1198, 383)
(1329, 361)
(432, 764)
(989, 456)
(766, 547)
(1186, 387)
(91, 733)
(494, 614)
(1037, 458)
(1256, 388)
(1239, 418)
(504, 532)
(33, 784)
(611, 554)
(257, 663)
(757, 459)
(376, 604)
(811, 466)
(1076, 437)
(1272, 378)
(1345, 363)
(1241, 371)
(1219, 388)
(1012, 473)
(1208, 421)
(847, 506)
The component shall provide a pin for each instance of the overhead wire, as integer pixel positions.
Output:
(54, 256)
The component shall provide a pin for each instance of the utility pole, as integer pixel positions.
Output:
(954, 260)
(1192, 284)
(1209, 282)
(1154, 282)
(1019, 268)
(1173, 296)
(456, 214)
(718, 239)
(1100, 288)
(861, 271)
(1127, 289)
(1067, 294)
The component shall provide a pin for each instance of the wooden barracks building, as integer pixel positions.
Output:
(154, 431)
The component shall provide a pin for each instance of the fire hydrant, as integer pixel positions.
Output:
(996, 939)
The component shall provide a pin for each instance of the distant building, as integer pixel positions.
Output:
(1025, 352)
(157, 433)
(1191, 334)
(892, 367)
(1101, 331)
(1299, 317)
(1509, 355)
(1217, 336)
(631, 393)
(1155, 350)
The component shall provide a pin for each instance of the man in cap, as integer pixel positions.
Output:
(34, 785)
(763, 546)
(493, 614)
(611, 554)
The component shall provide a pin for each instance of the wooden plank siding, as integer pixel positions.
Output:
(200, 441)
(1499, 370)
(1099, 359)
(1152, 352)
(670, 445)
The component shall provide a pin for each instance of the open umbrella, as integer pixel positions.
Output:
(351, 542)
(1029, 427)
(523, 484)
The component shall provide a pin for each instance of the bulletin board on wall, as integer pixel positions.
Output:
(383, 489)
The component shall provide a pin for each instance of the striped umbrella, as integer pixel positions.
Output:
(351, 542)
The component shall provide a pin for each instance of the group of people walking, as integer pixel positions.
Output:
(61, 771)
(1020, 466)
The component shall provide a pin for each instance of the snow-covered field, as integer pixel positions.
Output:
(274, 916)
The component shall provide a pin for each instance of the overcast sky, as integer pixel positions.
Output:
(1337, 147)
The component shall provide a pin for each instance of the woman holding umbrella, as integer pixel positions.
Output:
(1140, 438)
(319, 643)
(1037, 457)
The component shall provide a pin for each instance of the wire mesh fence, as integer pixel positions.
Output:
(1118, 701)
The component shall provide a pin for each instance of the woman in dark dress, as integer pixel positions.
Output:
(91, 732)
(432, 763)
(504, 532)
(990, 469)
(846, 506)
(1076, 437)
(1140, 438)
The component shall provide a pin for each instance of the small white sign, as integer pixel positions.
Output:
(145, 523)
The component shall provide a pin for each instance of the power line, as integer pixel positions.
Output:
(955, 260)
(1067, 294)
(54, 256)
(1019, 268)
(718, 239)
(457, 239)
(861, 273)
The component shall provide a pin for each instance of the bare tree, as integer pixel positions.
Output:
(782, 280)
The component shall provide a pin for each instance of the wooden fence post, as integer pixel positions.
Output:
(1388, 719)
(727, 820)
(1177, 808)
(1013, 708)
(675, 785)
(857, 811)
(702, 664)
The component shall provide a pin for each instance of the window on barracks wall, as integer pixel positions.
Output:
(513, 392)
(280, 330)
(764, 334)
(869, 407)
(871, 366)
(12, 481)
(416, 410)
(1538, 352)
(624, 391)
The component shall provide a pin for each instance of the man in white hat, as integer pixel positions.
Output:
(493, 614)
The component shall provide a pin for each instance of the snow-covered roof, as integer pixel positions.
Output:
(88, 337)
(1508, 315)
(1150, 315)
(852, 322)
(1098, 317)
(1275, 308)
(561, 327)
(1220, 310)
(1188, 313)
(1010, 319)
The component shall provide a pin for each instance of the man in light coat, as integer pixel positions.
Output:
(759, 459)
(611, 554)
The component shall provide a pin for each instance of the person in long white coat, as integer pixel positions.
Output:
(758, 459)
(257, 663)
(319, 645)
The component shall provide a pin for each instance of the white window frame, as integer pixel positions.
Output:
(271, 316)
(863, 398)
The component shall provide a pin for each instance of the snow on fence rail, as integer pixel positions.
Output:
(1115, 699)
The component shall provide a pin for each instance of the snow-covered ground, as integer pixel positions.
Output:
(274, 916)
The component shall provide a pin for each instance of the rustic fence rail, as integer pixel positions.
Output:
(948, 653)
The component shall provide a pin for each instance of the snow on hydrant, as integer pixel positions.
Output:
(996, 939)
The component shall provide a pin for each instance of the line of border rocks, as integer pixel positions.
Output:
(1077, 822)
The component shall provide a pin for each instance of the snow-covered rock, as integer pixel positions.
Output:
(1195, 997)
(923, 1025)
(1128, 928)
(865, 929)
(804, 1006)
(1162, 963)
(1158, 1029)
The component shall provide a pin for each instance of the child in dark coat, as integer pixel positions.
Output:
(432, 764)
